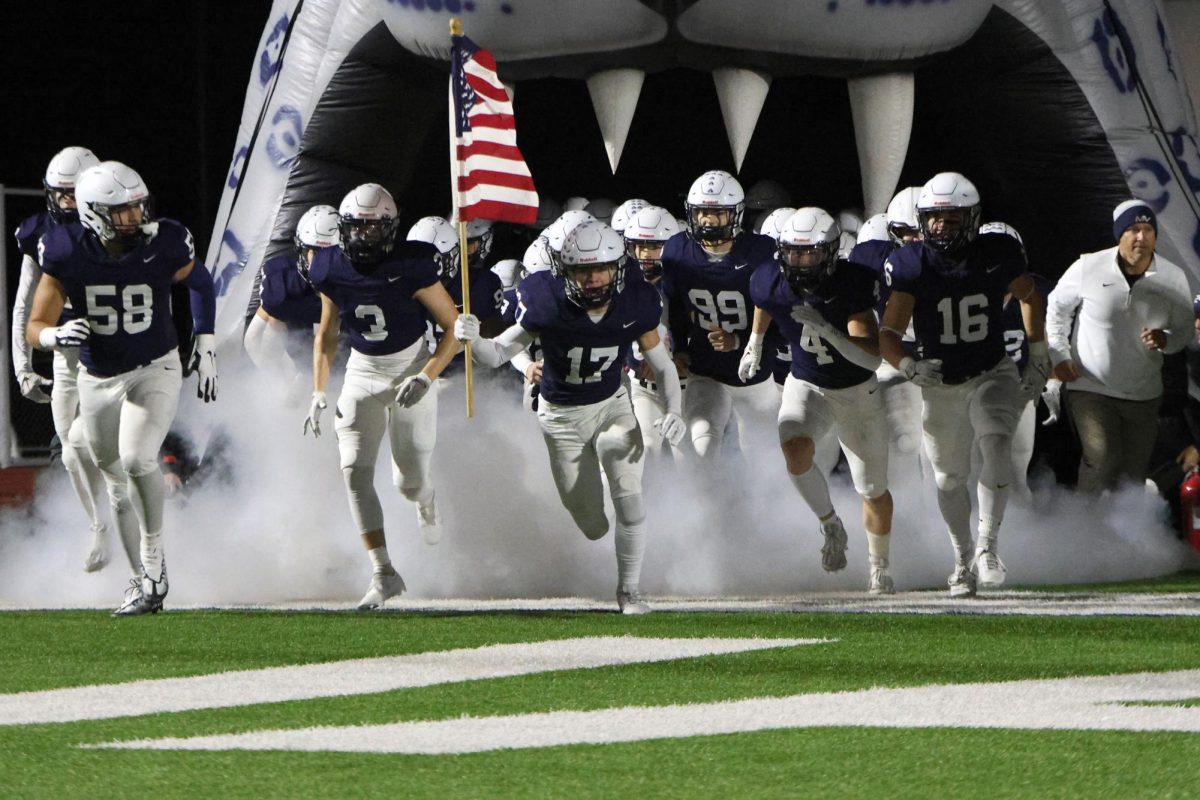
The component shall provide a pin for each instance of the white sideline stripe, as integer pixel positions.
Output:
(358, 676)
(1090, 703)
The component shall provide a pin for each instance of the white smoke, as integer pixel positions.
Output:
(276, 527)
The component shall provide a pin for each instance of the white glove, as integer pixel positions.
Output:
(1052, 397)
(204, 364)
(672, 427)
(413, 389)
(923, 372)
(34, 387)
(466, 328)
(751, 359)
(811, 318)
(313, 421)
(72, 334)
(1037, 371)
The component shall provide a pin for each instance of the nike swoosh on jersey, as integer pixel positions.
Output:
(151, 258)
(1106, 284)
(398, 277)
(743, 264)
(629, 324)
(993, 269)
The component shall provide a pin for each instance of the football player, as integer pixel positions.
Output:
(62, 173)
(825, 308)
(117, 269)
(623, 213)
(587, 312)
(951, 285)
(645, 235)
(289, 307)
(706, 281)
(901, 397)
(380, 291)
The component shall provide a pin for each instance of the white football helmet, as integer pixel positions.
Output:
(650, 226)
(537, 257)
(478, 230)
(1001, 228)
(556, 234)
(874, 229)
(948, 192)
(590, 247)
(316, 230)
(850, 220)
(111, 188)
(62, 173)
(509, 271)
(902, 223)
(772, 223)
(808, 248)
(715, 190)
(441, 234)
(624, 212)
(575, 203)
(368, 223)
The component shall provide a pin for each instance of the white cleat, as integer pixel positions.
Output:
(98, 557)
(962, 582)
(383, 585)
(430, 521)
(632, 602)
(989, 568)
(881, 581)
(833, 553)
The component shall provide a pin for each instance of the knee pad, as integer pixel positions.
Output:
(946, 482)
(412, 493)
(70, 458)
(791, 429)
(136, 466)
(630, 510)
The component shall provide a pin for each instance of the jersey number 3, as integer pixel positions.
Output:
(105, 319)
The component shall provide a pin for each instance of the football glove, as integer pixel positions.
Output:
(1037, 371)
(751, 360)
(204, 364)
(313, 421)
(1052, 397)
(466, 328)
(72, 334)
(672, 427)
(34, 387)
(413, 388)
(923, 372)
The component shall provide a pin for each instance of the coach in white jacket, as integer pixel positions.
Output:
(1129, 307)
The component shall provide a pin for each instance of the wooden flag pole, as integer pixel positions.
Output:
(464, 273)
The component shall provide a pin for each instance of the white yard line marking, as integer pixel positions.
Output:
(358, 676)
(1090, 703)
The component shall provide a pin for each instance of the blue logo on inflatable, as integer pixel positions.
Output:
(232, 266)
(235, 171)
(1149, 181)
(283, 145)
(1116, 52)
(268, 60)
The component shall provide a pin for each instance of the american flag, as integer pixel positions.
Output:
(493, 181)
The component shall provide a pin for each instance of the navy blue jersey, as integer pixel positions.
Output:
(378, 310)
(959, 303)
(487, 294)
(850, 289)
(286, 296)
(874, 254)
(582, 359)
(127, 300)
(1014, 323)
(28, 234)
(705, 294)
(508, 309)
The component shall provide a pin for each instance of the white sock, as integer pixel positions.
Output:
(878, 545)
(379, 558)
(152, 554)
(955, 505)
(992, 503)
(815, 491)
(630, 540)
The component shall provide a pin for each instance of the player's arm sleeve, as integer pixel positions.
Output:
(521, 361)
(30, 272)
(494, 352)
(1061, 305)
(203, 298)
(665, 373)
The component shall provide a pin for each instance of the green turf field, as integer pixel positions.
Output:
(52, 650)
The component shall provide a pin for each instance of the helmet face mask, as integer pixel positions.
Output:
(367, 224)
(63, 171)
(479, 243)
(808, 249)
(316, 230)
(948, 212)
(592, 265)
(715, 207)
(115, 205)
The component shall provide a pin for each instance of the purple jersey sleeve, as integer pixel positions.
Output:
(285, 295)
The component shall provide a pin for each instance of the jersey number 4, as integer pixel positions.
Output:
(970, 324)
(106, 319)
